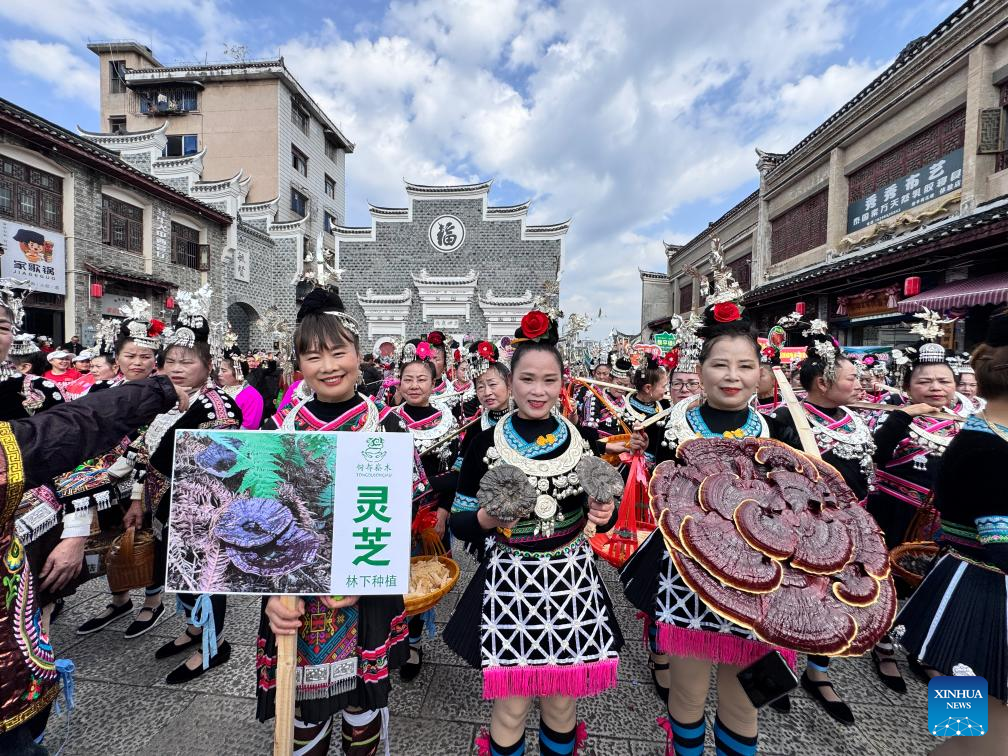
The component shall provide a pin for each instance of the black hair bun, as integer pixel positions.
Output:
(539, 327)
(724, 319)
(320, 301)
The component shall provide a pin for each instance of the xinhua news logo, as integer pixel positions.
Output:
(957, 706)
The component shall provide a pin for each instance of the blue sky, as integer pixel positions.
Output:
(638, 118)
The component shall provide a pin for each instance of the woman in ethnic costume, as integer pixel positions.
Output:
(682, 631)
(546, 627)
(428, 423)
(955, 621)
(187, 362)
(602, 408)
(230, 376)
(908, 454)
(30, 450)
(346, 648)
(492, 382)
(845, 442)
(109, 480)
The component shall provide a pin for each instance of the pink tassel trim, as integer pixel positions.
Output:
(723, 648)
(580, 736)
(575, 680)
(483, 742)
(666, 724)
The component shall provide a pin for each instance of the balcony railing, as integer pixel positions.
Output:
(163, 101)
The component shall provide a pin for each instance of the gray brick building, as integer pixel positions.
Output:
(448, 261)
(106, 222)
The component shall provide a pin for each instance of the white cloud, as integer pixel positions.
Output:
(616, 114)
(55, 64)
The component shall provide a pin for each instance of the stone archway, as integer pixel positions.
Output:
(243, 317)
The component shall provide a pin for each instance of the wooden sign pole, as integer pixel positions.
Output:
(283, 730)
(801, 422)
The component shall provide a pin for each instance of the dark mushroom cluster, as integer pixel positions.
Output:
(775, 541)
(505, 493)
(261, 538)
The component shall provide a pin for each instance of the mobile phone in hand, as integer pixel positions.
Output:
(767, 679)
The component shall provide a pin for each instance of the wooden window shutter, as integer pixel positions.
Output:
(991, 134)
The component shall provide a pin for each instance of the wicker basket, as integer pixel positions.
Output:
(911, 549)
(428, 601)
(130, 561)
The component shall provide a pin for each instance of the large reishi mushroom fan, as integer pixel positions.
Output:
(775, 541)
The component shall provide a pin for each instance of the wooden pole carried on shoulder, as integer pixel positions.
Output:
(286, 676)
(801, 423)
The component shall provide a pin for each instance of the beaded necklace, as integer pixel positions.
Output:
(541, 446)
(751, 427)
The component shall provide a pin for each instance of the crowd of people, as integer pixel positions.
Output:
(505, 436)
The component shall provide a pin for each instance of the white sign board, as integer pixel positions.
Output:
(296, 513)
(33, 254)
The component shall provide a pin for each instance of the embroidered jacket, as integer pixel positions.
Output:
(31, 449)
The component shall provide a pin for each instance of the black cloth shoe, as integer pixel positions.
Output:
(95, 624)
(182, 673)
(139, 627)
(411, 669)
(893, 682)
(660, 690)
(782, 704)
(837, 709)
(171, 648)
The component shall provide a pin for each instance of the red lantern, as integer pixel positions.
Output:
(97, 290)
(799, 308)
(911, 286)
(169, 302)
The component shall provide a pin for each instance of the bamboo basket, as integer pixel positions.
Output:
(421, 604)
(130, 561)
(912, 548)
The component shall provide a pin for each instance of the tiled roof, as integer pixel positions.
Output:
(919, 241)
(84, 150)
(909, 53)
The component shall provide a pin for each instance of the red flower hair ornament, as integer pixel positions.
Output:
(670, 360)
(423, 351)
(155, 328)
(436, 338)
(535, 324)
(485, 350)
(727, 312)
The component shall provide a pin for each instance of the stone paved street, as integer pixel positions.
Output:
(124, 707)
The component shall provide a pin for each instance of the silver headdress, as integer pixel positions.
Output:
(689, 345)
(725, 288)
(930, 330)
(192, 323)
(24, 343)
(137, 326)
(960, 364)
(13, 292)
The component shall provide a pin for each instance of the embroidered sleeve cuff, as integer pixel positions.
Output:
(464, 503)
(992, 529)
(77, 524)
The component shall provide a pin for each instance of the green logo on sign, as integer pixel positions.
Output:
(665, 340)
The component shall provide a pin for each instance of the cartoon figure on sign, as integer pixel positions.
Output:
(777, 336)
(32, 244)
